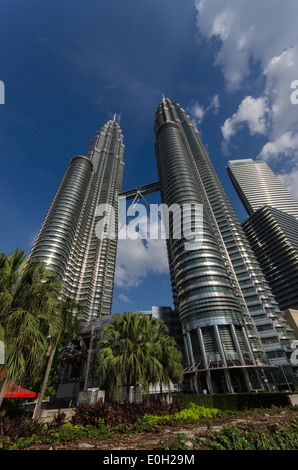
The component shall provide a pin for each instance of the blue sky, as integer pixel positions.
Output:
(68, 67)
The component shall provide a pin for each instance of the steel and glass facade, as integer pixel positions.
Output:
(71, 240)
(273, 236)
(233, 331)
(272, 226)
(218, 289)
(257, 185)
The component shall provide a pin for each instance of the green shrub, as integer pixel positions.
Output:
(179, 443)
(68, 432)
(191, 414)
(273, 438)
(117, 414)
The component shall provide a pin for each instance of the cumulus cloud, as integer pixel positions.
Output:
(259, 36)
(252, 112)
(141, 251)
(124, 299)
(290, 180)
(248, 31)
(197, 111)
(284, 147)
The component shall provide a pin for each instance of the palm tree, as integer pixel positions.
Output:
(70, 325)
(29, 311)
(171, 360)
(11, 266)
(131, 352)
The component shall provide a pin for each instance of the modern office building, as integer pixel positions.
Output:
(73, 239)
(273, 236)
(235, 335)
(257, 185)
(271, 227)
(291, 316)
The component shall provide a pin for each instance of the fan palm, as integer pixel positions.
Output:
(70, 312)
(11, 266)
(131, 352)
(171, 359)
(29, 313)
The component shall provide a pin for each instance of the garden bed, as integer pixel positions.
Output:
(185, 436)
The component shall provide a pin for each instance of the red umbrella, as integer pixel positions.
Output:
(15, 391)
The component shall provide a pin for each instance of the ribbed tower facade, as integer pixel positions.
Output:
(257, 185)
(272, 226)
(218, 288)
(273, 236)
(72, 239)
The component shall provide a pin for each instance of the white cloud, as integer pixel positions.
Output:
(124, 298)
(138, 256)
(290, 180)
(285, 146)
(197, 111)
(251, 111)
(214, 104)
(262, 36)
(254, 30)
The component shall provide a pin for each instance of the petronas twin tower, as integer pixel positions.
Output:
(68, 241)
(219, 291)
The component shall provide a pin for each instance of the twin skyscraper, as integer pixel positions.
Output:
(235, 336)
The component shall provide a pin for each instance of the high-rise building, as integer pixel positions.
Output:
(257, 185)
(291, 316)
(272, 226)
(233, 330)
(234, 334)
(72, 239)
(273, 236)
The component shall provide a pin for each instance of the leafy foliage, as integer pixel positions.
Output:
(191, 414)
(273, 438)
(101, 421)
(118, 414)
(29, 312)
(137, 350)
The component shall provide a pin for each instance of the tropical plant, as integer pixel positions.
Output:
(70, 312)
(11, 266)
(29, 314)
(170, 358)
(134, 351)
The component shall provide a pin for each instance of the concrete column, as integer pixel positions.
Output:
(194, 378)
(223, 359)
(186, 350)
(208, 373)
(248, 345)
(236, 343)
(240, 355)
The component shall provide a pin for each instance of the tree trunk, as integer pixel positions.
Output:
(160, 387)
(127, 393)
(88, 360)
(37, 409)
(3, 390)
